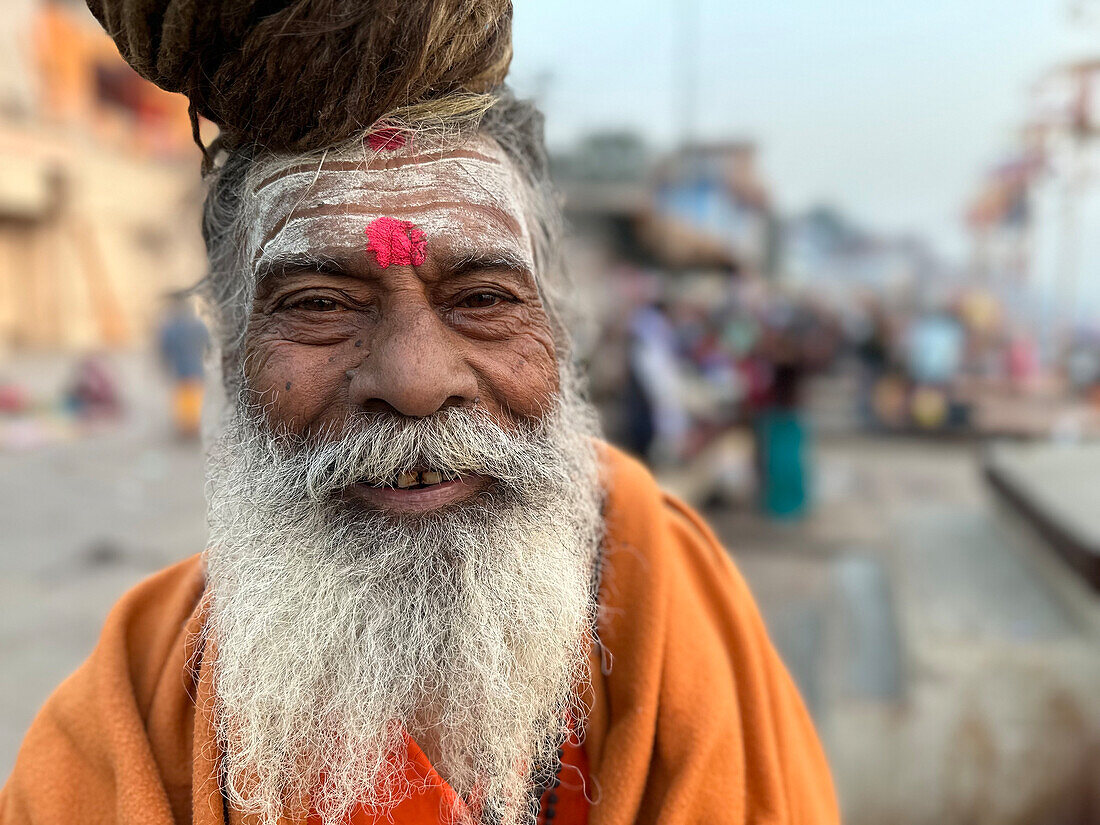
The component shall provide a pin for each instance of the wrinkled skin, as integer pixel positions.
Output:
(466, 327)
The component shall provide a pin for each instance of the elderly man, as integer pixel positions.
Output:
(431, 594)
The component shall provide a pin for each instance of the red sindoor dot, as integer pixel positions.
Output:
(401, 243)
(386, 140)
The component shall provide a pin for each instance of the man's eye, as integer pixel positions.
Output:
(315, 305)
(480, 300)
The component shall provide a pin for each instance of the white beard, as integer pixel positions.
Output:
(338, 630)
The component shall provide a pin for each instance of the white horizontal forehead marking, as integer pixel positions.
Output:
(292, 167)
(296, 209)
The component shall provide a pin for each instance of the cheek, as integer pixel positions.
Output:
(295, 384)
(521, 373)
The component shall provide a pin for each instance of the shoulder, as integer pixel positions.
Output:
(142, 632)
(94, 727)
(146, 624)
(691, 678)
(162, 595)
(649, 528)
(666, 573)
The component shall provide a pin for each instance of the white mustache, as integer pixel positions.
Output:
(375, 448)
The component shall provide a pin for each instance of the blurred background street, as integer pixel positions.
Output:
(872, 360)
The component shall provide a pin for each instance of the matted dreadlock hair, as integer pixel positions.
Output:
(302, 77)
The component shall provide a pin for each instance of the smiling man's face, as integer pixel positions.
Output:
(402, 284)
(405, 512)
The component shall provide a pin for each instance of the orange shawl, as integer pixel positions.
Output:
(696, 720)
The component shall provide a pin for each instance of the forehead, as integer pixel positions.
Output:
(467, 198)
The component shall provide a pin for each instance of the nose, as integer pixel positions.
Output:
(414, 367)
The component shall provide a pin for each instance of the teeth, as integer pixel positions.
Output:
(406, 480)
(431, 477)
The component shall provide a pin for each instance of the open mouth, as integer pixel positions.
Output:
(419, 489)
(416, 479)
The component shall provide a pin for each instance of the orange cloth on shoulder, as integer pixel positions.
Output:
(694, 719)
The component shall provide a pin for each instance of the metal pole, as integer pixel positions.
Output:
(686, 71)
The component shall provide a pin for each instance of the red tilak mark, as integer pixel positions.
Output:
(396, 242)
(386, 140)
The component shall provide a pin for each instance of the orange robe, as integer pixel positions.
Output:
(693, 720)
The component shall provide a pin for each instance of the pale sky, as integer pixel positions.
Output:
(890, 109)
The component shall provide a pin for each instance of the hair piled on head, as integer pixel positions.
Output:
(298, 75)
(304, 77)
(516, 125)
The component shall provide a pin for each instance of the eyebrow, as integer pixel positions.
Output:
(495, 259)
(283, 265)
(280, 266)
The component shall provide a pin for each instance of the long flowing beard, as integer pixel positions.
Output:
(339, 631)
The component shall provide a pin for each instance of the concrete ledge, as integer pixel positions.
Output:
(1055, 489)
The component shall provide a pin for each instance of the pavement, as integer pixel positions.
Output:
(928, 632)
(951, 676)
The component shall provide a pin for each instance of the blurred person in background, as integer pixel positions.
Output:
(872, 348)
(657, 423)
(1083, 366)
(182, 340)
(934, 351)
(92, 393)
(795, 342)
(1021, 356)
(431, 592)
